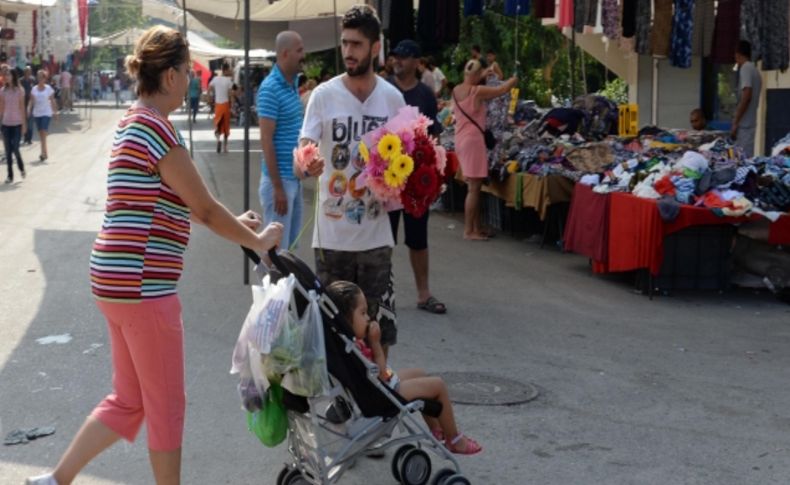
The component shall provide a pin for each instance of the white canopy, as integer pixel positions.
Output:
(315, 20)
(11, 6)
(200, 48)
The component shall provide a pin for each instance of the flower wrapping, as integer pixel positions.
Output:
(403, 164)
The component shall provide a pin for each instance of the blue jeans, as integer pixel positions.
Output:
(30, 129)
(292, 220)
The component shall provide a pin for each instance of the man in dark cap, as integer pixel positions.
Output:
(407, 55)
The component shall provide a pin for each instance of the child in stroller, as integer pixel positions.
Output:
(409, 383)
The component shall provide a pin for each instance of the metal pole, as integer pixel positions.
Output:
(337, 41)
(246, 111)
(189, 107)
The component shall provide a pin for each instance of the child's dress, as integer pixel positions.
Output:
(393, 382)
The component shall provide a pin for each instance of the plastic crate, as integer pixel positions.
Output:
(628, 120)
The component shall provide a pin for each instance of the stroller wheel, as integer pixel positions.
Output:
(415, 468)
(294, 477)
(282, 475)
(442, 475)
(457, 480)
(396, 460)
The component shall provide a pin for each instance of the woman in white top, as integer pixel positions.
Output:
(12, 109)
(43, 108)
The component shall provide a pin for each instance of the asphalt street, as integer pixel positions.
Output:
(687, 389)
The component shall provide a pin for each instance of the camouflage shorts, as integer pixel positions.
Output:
(372, 271)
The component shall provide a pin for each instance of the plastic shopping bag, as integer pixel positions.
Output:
(270, 424)
(311, 377)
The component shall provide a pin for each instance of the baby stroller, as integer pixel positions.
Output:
(357, 414)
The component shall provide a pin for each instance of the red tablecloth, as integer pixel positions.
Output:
(632, 234)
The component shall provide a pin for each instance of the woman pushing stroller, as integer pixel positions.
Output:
(410, 383)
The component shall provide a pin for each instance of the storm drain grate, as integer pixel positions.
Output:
(487, 390)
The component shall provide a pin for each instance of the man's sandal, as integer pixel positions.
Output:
(471, 447)
(432, 305)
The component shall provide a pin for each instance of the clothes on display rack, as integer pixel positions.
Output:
(682, 30)
(661, 34)
(726, 32)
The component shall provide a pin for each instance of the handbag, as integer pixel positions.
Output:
(488, 135)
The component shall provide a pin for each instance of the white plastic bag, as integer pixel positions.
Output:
(311, 377)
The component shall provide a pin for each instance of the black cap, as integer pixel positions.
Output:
(407, 48)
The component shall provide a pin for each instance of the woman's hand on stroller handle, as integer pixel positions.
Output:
(270, 237)
(250, 219)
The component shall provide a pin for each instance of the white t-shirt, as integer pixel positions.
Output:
(222, 85)
(42, 106)
(349, 219)
(438, 77)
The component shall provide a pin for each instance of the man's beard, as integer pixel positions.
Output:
(362, 67)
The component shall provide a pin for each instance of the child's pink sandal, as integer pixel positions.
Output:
(438, 434)
(472, 447)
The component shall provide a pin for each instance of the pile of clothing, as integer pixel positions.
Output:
(714, 175)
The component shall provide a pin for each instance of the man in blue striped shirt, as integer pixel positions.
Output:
(280, 119)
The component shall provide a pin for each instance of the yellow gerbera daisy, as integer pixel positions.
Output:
(363, 150)
(402, 165)
(389, 146)
(392, 179)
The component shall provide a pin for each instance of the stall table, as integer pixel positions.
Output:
(622, 232)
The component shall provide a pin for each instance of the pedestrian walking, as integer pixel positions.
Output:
(65, 90)
(421, 95)
(43, 108)
(352, 237)
(280, 119)
(220, 88)
(136, 262)
(116, 88)
(12, 108)
(469, 111)
(194, 94)
(28, 81)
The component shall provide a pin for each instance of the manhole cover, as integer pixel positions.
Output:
(487, 390)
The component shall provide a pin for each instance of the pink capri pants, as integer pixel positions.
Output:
(147, 340)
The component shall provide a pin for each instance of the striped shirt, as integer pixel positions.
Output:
(138, 254)
(280, 101)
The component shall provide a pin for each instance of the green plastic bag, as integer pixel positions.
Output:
(270, 424)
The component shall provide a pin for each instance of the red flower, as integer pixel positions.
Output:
(422, 189)
(452, 165)
(424, 154)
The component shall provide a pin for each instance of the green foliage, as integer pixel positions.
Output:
(616, 90)
(110, 16)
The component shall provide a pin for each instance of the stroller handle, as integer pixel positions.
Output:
(273, 257)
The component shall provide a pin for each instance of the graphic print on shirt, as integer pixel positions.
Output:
(346, 199)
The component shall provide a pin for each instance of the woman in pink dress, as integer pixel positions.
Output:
(469, 112)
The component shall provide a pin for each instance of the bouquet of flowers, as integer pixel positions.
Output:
(403, 164)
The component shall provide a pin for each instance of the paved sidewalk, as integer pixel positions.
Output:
(684, 390)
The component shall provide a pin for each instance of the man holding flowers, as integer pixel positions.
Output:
(352, 237)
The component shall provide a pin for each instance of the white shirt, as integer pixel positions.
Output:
(116, 85)
(42, 106)
(438, 78)
(348, 219)
(222, 85)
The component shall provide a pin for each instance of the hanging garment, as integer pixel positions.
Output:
(566, 14)
(661, 35)
(426, 26)
(610, 17)
(682, 29)
(629, 18)
(403, 27)
(643, 13)
(752, 20)
(704, 25)
(448, 18)
(517, 7)
(726, 32)
(471, 7)
(775, 35)
(585, 14)
(544, 9)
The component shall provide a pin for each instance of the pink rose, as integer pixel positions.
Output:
(304, 155)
